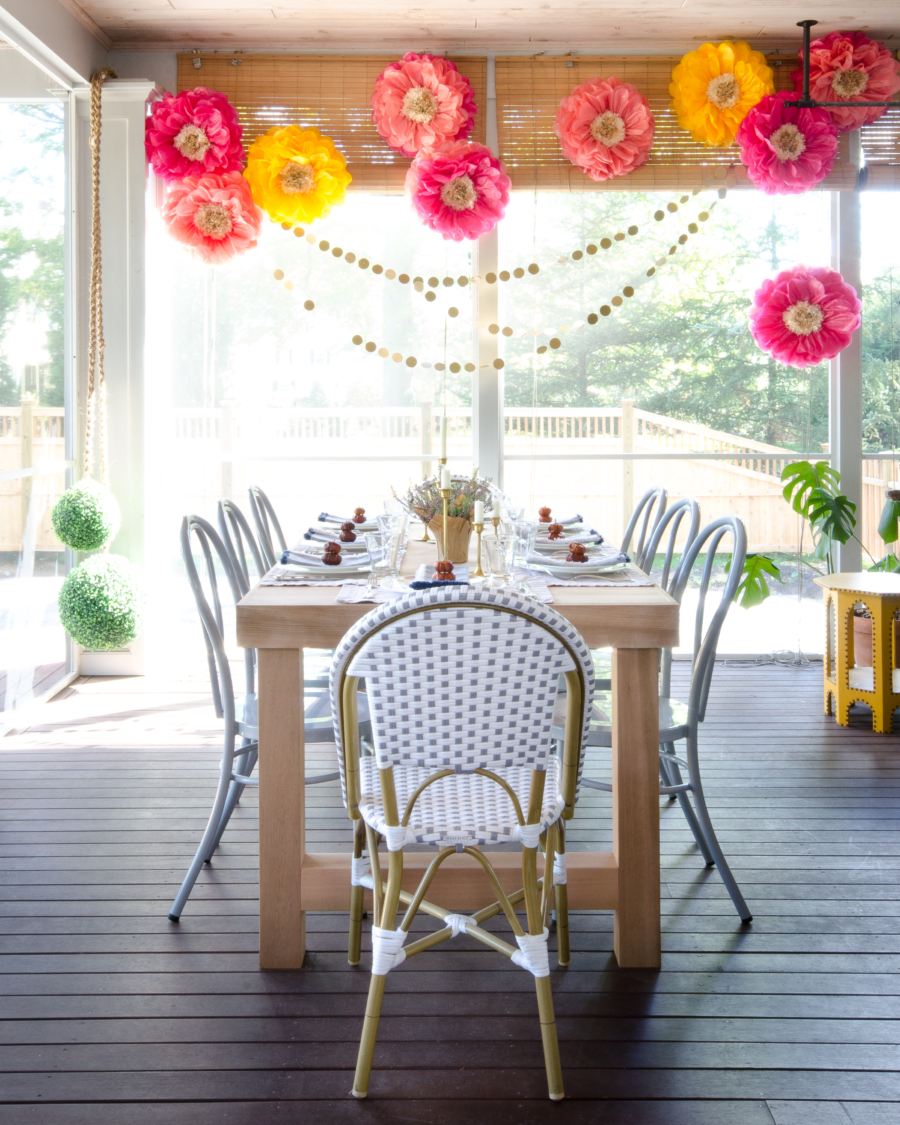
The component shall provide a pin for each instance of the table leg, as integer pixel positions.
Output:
(635, 782)
(282, 924)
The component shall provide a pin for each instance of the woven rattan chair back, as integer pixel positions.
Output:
(647, 513)
(271, 538)
(240, 542)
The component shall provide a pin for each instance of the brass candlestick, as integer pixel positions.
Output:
(445, 494)
(495, 520)
(479, 527)
(424, 538)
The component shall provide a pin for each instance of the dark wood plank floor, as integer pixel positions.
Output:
(111, 1015)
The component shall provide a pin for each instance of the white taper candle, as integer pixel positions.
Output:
(479, 511)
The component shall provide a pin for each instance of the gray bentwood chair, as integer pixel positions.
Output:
(462, 686)
(241, 733)
(680, 721)
(271, 538)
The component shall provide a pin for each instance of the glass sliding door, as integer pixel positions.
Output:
(33, 422)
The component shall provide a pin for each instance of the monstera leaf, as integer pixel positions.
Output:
(813, 492)
(803, 478)
(754, 587)
(890, 516)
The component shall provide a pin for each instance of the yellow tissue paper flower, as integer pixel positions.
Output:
(296, 175)
(715, 87)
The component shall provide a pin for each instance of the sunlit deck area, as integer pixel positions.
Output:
(112, 1014)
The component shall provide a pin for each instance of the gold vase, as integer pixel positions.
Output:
(459, 532)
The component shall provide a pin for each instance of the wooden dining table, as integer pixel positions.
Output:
(635, 621)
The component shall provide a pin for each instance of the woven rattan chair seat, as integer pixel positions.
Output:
(464, 808)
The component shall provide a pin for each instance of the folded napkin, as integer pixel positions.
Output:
(319, 536)
(290, 576)
(597, 558)
(327, 517)
(546, 543)
(300, 557)
(422, 579)
(353, 592)
(567, 521)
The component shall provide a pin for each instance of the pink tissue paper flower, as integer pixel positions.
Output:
(806, 314)
(849, 65)
(461, 190)
(214, 215)
(605, 127)
(193, 132)
(422, 102)
(787, 150)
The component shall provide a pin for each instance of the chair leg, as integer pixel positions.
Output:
(673, 777)
(356, 900)
(213, 828)
(709, 834)
(549, 1038)
(563, 953)
(387, 921)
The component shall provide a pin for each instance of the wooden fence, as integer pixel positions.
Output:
(30, 435)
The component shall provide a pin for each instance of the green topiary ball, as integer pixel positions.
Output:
(86, 516)
(100, 603)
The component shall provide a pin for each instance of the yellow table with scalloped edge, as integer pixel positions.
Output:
(845, 684)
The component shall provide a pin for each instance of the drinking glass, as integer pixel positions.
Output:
(524, 533)
(381, 568)
(500, 555)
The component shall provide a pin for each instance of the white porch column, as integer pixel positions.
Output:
(487, 381)
(123, 210)
(845, 383)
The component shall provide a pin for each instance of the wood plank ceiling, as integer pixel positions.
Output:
(581, 26)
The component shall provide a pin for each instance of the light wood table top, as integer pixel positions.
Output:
(310, 616)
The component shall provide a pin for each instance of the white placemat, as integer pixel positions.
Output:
(630, 576)
(281, 575)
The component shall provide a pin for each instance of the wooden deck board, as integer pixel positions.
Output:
(109, 1014)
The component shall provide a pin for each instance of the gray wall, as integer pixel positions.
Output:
(157, 66)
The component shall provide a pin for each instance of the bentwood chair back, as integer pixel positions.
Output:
(240, 542)
(648, 512)
(271, 538)
(669, 527)
(462, 685)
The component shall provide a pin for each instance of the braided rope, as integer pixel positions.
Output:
(96, 384)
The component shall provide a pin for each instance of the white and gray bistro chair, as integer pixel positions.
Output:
(271, 538)
(462, 685)
(678, 721)
(240, 748)
(651, 507)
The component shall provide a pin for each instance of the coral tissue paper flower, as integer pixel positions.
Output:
(787, 150)
(715, 87)
(296, 175)
(806, 314)
(848, 65)
(214, 215)
(422, 102)
(605, 127)
(460, 190)
(191, 133)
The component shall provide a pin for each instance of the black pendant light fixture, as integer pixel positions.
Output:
(805, 101)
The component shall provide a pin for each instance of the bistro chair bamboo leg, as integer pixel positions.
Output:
(563, 954)
(542, 984)
(356, 900)
(388, 921)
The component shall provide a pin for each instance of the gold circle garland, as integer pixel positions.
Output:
(555, 342)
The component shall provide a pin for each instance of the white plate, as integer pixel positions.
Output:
(573, 570)
(563, 544)
(344, 570)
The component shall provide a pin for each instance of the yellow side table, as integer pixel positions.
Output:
(878, 686)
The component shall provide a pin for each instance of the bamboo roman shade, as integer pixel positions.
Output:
(529, 91)
(331, 92)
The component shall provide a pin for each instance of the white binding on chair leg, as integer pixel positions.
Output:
(459, 923)
(530, 835)
(559, 869)
(387, 950)
(533, 954)
(394, 835)
(360, 872)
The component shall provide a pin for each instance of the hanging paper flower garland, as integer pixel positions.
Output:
(296, 175)
(605, 127)
(787, 150)
(715, 87)
(191, 133)
(214, 215)
(422, 102)
(461, 190)
(806, 314)
(849, 65)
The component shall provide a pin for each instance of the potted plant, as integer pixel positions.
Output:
(813, 492)
(425, 501)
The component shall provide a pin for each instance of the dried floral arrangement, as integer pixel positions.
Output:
(424, 500)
